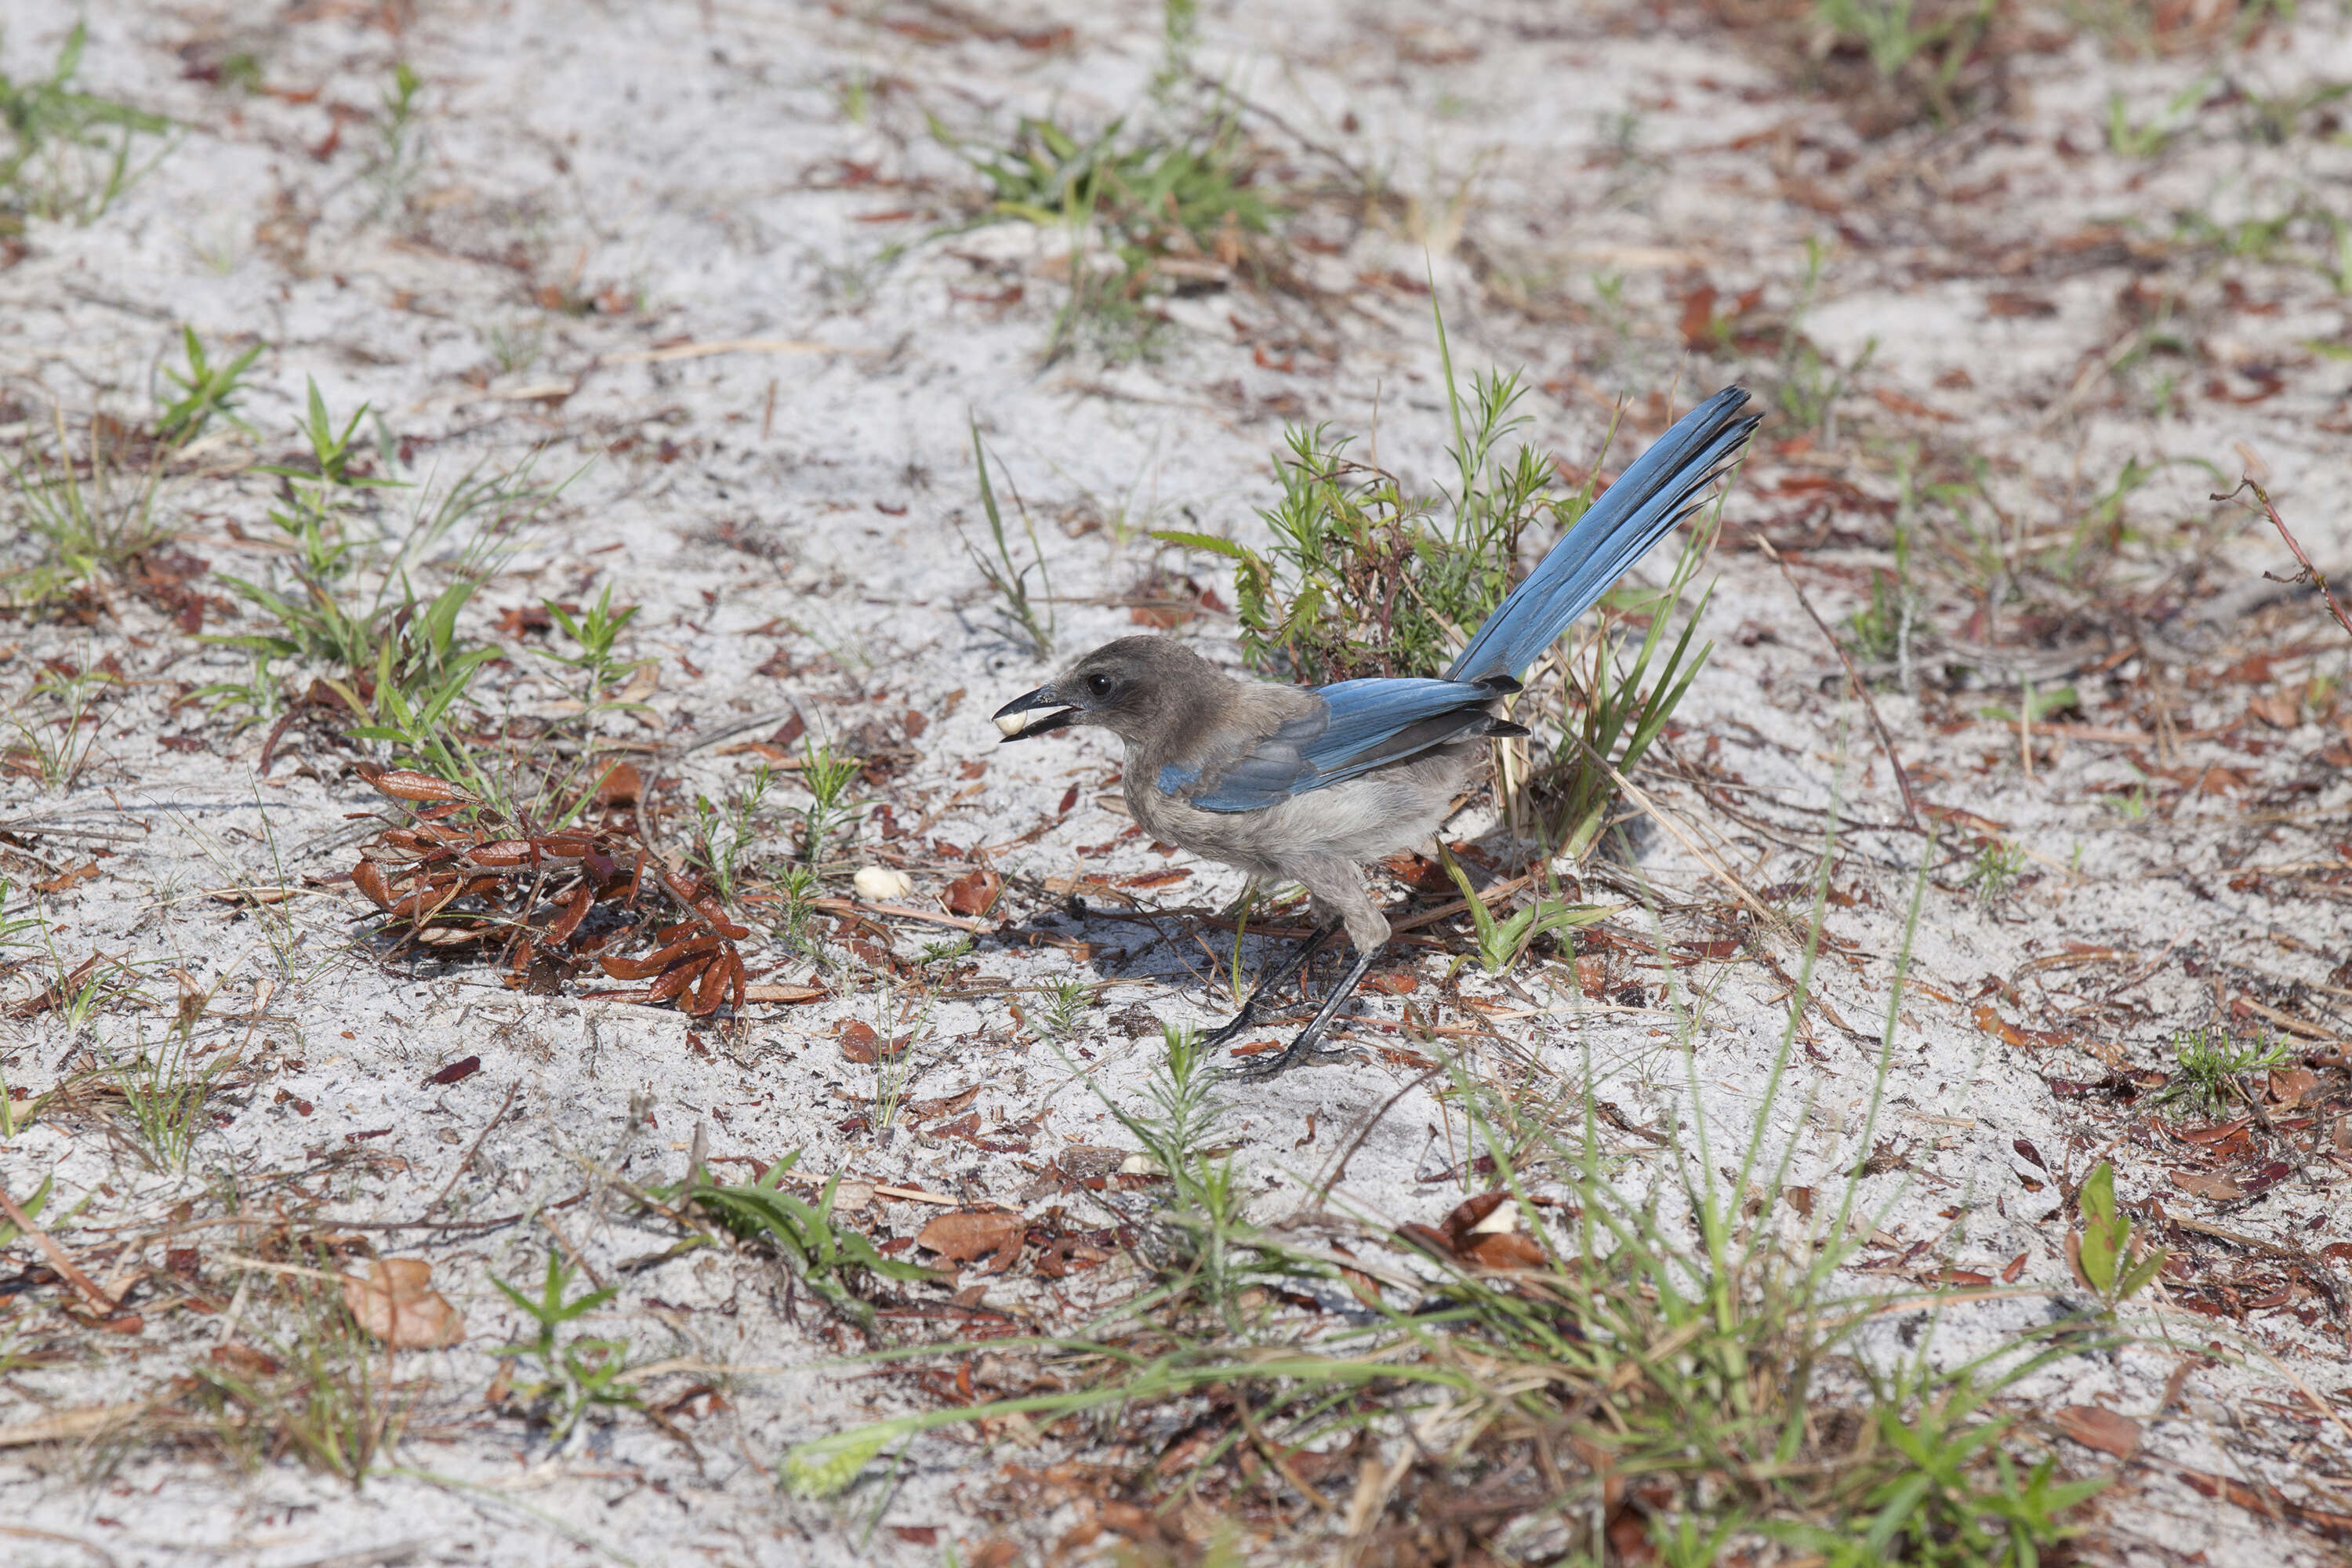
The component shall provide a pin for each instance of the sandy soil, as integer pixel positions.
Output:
(588, 188)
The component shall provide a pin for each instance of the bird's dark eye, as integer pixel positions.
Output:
(1098, 684)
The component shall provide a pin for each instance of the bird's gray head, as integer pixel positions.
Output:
(1129, 687)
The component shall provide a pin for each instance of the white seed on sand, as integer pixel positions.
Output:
(881, 885)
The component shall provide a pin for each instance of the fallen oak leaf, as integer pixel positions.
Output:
(368, 879)
(969, 1233)
(397, 1304)
(858, 1042)
(2096, 1427)
(1505, 1249)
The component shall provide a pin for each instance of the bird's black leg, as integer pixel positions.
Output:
(1304, 1048)
(1272, 982)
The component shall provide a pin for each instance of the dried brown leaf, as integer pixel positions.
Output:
(968, 1234)
(973, 894)
(397, 1304)
(403, 783)
(2096, 1427)
(2212, 1187)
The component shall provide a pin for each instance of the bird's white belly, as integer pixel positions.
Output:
(1360, 820)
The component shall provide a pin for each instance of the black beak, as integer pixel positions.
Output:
(1010, 721)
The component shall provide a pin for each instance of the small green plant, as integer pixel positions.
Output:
(1881, 629)
(1952, 1494)
(65, 154)
(2272, 119)
(1065, 1003)
(1159, 203)
(2253, 239)
(797, 889)
(1502, 941)
(827, 778)
(400, 152)
(2147, 139)
(2130, 804)
(1812, 385)
(855, 95)
(1877, 627)
(594, 634)
(724, 834)
(164, 1092)
(1362, 579)
(332, 451)
(574, 1375)
(1915, 47)
(1992, 875)
(57, 725)
(823, 1254)
(945, 952)
(1808, 386)
(1180, 30)
(12, 929)
(1209, 1254)
(2208, 1063)
(310, 1385)
(515, 349)
(2107, 1254)
(1624, 709)
(1025, 619)
(395, 657)
(206, 391)
(2039, 703)
(242, 72)
(2102, 529)
(85, 517)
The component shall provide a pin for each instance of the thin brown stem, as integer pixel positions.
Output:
(2311, 573)
(1877, 725)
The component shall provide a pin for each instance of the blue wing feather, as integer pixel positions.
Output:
(1356, 728)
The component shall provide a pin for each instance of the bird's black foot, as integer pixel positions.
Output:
(1308, 1046)
(1267, 985)
(1304, 1051)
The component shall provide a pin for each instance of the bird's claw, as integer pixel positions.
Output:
(1306, 1050)
(1225, 1034)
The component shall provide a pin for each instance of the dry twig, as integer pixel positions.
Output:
(2310, 574)
(1853, 677)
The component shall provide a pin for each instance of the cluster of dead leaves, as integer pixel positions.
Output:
(546, 906)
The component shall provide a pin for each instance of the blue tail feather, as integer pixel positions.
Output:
(1361, 725)
(1661, 487)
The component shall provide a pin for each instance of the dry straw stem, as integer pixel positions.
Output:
(1673, 826)
(59, 1259)
(1877, 725)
